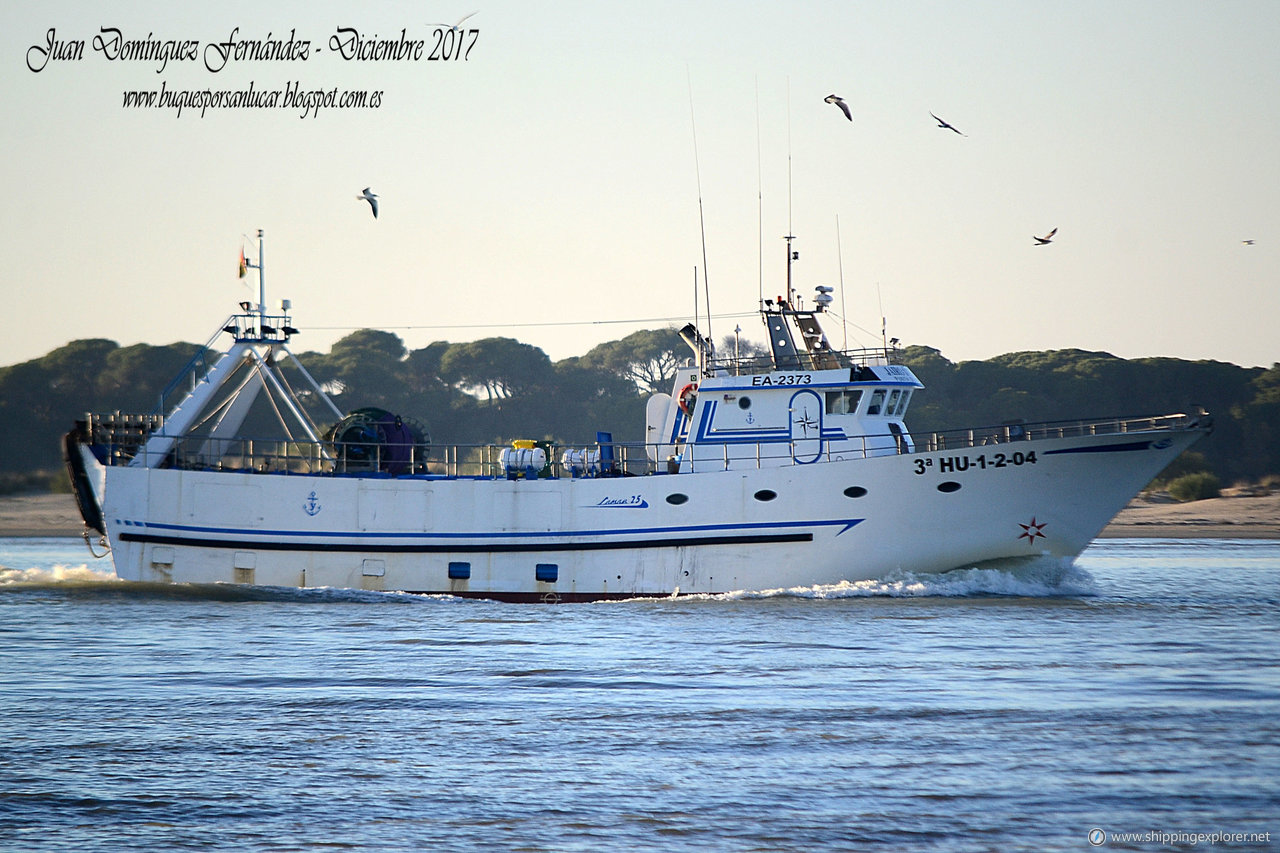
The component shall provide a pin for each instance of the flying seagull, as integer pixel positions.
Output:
(839, 102)
(453, 27)
(1046, 239)
(943, 124)
(372, 198)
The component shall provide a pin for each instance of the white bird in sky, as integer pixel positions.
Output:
(1046, 239)
(839, 102)
(370, 197)
(453, 27)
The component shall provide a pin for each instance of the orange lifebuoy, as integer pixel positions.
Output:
(688, 397)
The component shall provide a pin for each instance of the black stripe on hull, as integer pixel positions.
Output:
(1120, 447)
(494, 548)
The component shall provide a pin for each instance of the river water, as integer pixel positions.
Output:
(1134, 695)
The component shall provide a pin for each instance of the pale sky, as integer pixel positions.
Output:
(551, 176)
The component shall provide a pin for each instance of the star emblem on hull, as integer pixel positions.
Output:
(1032, 530)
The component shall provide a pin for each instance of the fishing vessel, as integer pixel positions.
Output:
(787, 470)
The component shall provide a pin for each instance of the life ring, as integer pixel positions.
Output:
(688, 397)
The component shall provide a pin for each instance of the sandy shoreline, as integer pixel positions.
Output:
(1236, 517)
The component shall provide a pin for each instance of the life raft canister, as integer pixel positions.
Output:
(687, 398)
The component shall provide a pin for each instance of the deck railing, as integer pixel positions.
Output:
(122, 438)
(1019, 431)
(267, 329)
(749, 364)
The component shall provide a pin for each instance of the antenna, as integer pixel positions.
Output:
(695, 296)
(790, 232)
(262, 286)
(759, 203)
(884, 338)
(706, 291)
(262, 282)
(844, 309)
(697, 334)
(702, 225)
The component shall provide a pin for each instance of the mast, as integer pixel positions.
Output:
(790, 257)
(262, 288)
(790, 230)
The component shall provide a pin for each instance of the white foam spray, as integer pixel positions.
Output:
(57, 574)
(1043, 578)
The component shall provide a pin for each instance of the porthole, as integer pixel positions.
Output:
(677, 499)
(744, 402)
(766, 495)
(948, 487)
(855, 492)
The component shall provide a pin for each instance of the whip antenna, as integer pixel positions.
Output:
(695, 295)
(790, 230)
(844, 308)
(702, 225)
(884, 331)
(759, 203)
(791, 255)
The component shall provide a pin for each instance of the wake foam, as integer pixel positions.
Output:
(1043, 578)
(57, 575)
(82, 579)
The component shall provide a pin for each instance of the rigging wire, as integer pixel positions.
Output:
(550, 323)
(862, 329)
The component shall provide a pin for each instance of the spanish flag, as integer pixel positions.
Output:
(244, 267)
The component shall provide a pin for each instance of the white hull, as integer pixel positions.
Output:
(618, 537)
(788, 470)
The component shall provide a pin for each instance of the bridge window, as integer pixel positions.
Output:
(843, 402)
(902, 404)
(877, 402)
